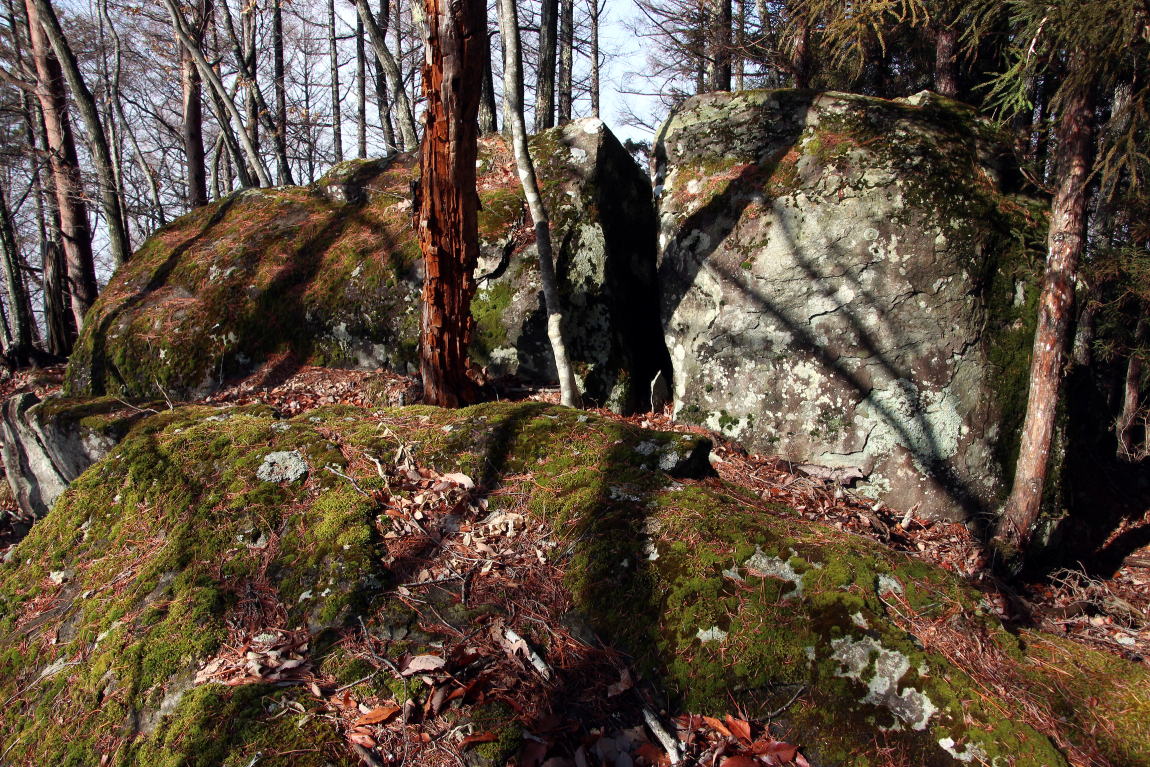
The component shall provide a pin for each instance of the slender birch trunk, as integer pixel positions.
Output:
(513, 95)
(336, 111)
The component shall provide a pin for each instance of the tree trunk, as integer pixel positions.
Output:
(111, 199)
(566, 58)
(193, 123)
(545, 85)
(336, 112)
(1067, 232)
(252, 99)
(801, 55)
(399, 100)
(596, 10)
(1131, 396)
(360, 91)
(448, 202)
(224, 101)
(381, 95)
(64, 162)
(488, 111)
(20, 308)
(283, 165)
(719, 47)
(513, 94)
(946, 61)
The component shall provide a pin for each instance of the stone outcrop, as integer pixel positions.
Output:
(331, 274)
(46, 446)
(846, 283)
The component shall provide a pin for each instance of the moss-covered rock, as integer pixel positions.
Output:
(332, 273)
(849, 282)
(172, 549)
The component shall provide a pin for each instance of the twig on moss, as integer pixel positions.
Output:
(354, 484)
(779, 711)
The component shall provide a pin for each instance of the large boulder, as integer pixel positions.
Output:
(332, 274)
(847, 282)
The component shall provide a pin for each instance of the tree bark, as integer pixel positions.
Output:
(566, 58)
(193, 114)
(719, 47)
(360, 91)
(488, 111)
(79, 265)
(283, 164)
(946, 61)
(545, 84)
(447, 224)
(399, 100)
(1131, 394)
(381, 94)
(596, 11)
(333, 56)
(1067, 233)
(800, 59)
(20, 308)
(111, 200)
(513, 94)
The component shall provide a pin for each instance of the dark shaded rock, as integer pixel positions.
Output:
(846, 284)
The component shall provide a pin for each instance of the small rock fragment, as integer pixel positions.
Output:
(282, 466)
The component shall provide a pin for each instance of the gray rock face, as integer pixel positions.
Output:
(828, 267)
(42, 453)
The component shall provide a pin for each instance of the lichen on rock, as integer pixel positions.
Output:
(833, 271)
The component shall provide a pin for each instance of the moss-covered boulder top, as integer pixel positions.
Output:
(847, 282)
(331, 272)
(228, 587)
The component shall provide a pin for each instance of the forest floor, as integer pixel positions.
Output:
(1105, 613)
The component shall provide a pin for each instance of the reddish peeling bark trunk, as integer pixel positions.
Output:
(1067, 233)
(73, 216)
(448, 202)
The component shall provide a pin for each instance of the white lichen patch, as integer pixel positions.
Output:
(713, 634)
(761, 563)
(866, 661)
(969, 752)
(886, 584)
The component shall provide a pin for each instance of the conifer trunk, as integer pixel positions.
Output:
(1064, 243)
(545, 78)
(946, 61)
(513, 93)
(283, 164)
(448, 204)
(566, 59)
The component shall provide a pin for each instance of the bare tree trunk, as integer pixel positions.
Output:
(800, 59)
(596, 10)
(381, 95)
(193, 114)
(448, 202)
(283, 165)
(223, 100)
(1067, 233)
(59, 321)
(65, 164)
(545, 84)
(111, 199)
(252, 98)
(488, 111)
(399, 100)
(740, 57)
(513, 94)
(336, 112)
(719, 46)
(1131, 397)
(20, 308)
(946, 61)
(360, 90)
(566, 58)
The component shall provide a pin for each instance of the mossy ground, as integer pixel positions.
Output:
(171, 544)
